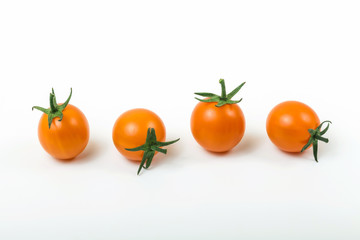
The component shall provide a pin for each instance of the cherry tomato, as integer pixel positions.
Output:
(293, 127)
(217, 122)
(65, 133)
(138, 135)
(130, 131)
(288, 123)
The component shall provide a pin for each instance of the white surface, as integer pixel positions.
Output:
(117, 56)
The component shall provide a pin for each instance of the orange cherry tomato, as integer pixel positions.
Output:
(64, 134)
(217, 129)
(217, 122)
(66, 138)
(130, 131)
(288, 123)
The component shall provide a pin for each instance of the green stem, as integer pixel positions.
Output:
(55, 109)
(223, 89)
(224, 98)
(53, 105)
(150, 147)
(315, 136)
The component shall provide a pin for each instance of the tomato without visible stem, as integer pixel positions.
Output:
(217, 122)
(130, 131)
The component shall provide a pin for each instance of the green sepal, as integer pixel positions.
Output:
(150, 147)
(55, 110)
(315, 136)
(224, 98)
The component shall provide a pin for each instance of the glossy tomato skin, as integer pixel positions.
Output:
(66, 138)
(130, 130)
(287, 125)
(217, 129)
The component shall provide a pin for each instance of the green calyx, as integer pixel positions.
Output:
(55, 110)
(150, 147)
(224, 98)
(316, 135)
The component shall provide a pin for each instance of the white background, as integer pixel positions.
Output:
(156, 54)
